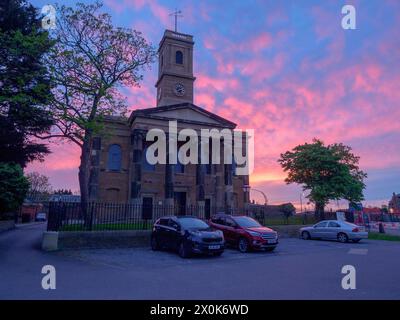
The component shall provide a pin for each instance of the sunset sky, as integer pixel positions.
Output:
(286, 69)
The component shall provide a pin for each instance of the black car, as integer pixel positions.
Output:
(186, 235)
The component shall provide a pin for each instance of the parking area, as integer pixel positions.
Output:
(298, 269)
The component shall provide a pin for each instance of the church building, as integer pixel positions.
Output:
(120, 171)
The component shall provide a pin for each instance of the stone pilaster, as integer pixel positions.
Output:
(94, 168)
(169, 180)
(200, 173)
(228, 188)
(136, 173)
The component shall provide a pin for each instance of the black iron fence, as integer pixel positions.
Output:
(97, 216)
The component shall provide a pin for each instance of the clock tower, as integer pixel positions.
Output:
(175, 69)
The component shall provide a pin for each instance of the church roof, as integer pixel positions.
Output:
(159, 113)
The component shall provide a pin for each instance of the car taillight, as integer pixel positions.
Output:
(355, 230)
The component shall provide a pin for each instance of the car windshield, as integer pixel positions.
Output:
(193, 223)
(246, 222)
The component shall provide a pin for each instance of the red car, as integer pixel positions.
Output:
(245, 232)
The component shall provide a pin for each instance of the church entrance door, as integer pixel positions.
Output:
(207, 208)
(147, 208)
(180, 203)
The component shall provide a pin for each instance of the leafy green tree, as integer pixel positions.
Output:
(288, 209)
(328, 172)
(24, 83)
(13, 187)
(91, 60)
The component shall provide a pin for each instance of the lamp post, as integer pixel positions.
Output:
(301, 201)
(247, 188)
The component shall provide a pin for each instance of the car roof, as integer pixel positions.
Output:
(185, 217)
(229, 215)
(167, 217)
(178, 217)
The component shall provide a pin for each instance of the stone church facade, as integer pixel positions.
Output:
(120, 172)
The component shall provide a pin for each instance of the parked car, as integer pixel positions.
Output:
(186, 235)
(245, 232)
(40, 216)
(334, 230)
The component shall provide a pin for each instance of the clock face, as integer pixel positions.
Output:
(179, 89)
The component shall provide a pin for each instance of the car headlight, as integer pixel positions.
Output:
(194, 235)
(254, 234)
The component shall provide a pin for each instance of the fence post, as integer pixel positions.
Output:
(91, 216)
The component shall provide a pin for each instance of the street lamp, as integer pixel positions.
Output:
(247, 188)
(301, 201)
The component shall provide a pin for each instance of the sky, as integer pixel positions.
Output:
(286, 69)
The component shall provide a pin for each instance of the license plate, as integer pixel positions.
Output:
(271, 241)
(213, 247)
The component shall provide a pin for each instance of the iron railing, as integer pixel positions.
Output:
(97, 216)
(92, 216)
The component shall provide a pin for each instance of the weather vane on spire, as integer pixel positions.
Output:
(177, 13)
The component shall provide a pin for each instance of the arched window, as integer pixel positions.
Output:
(114, 157)
(179, 57)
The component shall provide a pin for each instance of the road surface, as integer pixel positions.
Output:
(297, 270)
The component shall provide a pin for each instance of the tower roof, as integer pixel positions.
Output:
(178, 36)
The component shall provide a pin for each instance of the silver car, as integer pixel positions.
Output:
(334, 230)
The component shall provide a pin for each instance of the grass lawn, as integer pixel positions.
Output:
(383, 236)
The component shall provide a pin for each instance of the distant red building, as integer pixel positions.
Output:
(29, 210)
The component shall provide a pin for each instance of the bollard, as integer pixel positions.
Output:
(50, 241)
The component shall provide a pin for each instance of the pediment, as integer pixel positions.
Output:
(186, 113)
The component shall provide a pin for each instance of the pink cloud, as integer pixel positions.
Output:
(204, 81)
(258, 42)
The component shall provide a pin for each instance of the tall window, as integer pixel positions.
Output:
(114, 157)
(146, 166)
(179, 57)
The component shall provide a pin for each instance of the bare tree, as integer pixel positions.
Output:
(90, 62)
(39, 184)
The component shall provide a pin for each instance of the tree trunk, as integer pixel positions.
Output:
(319, 210)
(84, 170)
(84, 178)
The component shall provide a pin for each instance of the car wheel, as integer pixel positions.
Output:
(305, 235)
(182, 251)
(342, 237)
(155, 246)
(356, 240)
(243, 245)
